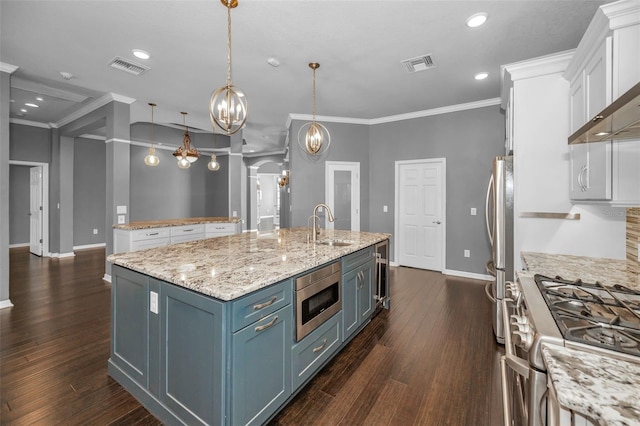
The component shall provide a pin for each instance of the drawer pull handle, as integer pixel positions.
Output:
(187, 230)
(321, 347)
(270, 324)
(265, 304)
(152, 233)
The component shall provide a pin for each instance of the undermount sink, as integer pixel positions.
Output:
(335, 243)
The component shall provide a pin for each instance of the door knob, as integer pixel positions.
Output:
(437, 222)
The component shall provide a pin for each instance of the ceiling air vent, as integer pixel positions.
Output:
(128, 66)
(419, 63)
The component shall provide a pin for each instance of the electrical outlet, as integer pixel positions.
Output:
(473, 211)
(235, 213)
(385, 209)
(95, 231)
(153, 302)
(120, 219)
(467, 253)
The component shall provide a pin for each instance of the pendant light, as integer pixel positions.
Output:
(152, 159)
(186, 154)
(213, 164)
(228, 104)
(313, 137)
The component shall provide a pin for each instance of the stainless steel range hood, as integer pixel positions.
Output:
(618, 121)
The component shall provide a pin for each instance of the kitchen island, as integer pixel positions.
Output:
(203, 332)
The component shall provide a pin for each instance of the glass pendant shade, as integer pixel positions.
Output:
(228, 104)
(183, 162)
(151, 159)
(213, 164)
(313, 137)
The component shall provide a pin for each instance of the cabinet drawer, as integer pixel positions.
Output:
(148, 234)
(186, 237)
(356, 259)
(150, 243)
(220, 228)
(187, 230)
(258, 305)
(311, 352)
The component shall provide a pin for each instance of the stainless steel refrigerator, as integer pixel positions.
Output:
(499, 219)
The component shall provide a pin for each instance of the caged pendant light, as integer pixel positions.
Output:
(314, 137)
(152, 159)
(186, 154)
(228, 104)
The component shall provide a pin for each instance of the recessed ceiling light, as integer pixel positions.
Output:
(39, 99)
(23, 110)
(29, 104)
(476, 20)
(141, 54)
(481, 75)
(273, 62)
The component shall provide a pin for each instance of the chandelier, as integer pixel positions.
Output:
(313, 137)
(151, 159)
(228, 104)
(186, 154)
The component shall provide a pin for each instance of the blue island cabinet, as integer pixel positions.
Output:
(192, 359)
(357, 291)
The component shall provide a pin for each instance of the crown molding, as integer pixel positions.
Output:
(29, 123)
(8, 68)
(128, 142)
(538, 67)
(98, 103)
(392, 118)
(437, 111)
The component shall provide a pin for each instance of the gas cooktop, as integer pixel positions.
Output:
(594, 314)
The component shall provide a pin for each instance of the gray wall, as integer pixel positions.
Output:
(19, 204)
(89, 188)
(349, 142)
(30, 143)
(5, 145)
(469, 140)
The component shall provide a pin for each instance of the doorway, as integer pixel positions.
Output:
(38, 206)
(268, 202)
(342, 194)
(420, 203)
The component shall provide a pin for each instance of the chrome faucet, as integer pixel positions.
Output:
(316, 228)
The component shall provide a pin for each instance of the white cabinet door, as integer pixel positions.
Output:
(577, 108)
(597, 77)
(591, 171)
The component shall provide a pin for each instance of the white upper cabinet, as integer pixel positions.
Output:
(605, 65)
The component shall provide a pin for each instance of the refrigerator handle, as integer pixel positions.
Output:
(486, 209)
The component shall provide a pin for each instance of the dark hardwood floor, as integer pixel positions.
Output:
(430, 360)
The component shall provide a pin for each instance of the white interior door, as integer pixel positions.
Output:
(342, 194)
(420, 219)
(35, 211)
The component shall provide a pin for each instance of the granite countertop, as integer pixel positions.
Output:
(230, 267)
(147, 224)
(589, 269)
(604, 388)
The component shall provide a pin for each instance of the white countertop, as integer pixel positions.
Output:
(230, 267)
(604, 388)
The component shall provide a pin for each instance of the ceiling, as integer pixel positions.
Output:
(359, 45)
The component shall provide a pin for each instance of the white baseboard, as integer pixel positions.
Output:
(482, 277)
(106, 278)
(19, 245)
(89, 246)
(5, 304)
(63, 255)
(393, 263)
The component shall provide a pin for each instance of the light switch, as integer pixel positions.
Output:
(473, 211)
(120, 219)
(235, 213)
(153, 302)
(121, 210)
(385, 209)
